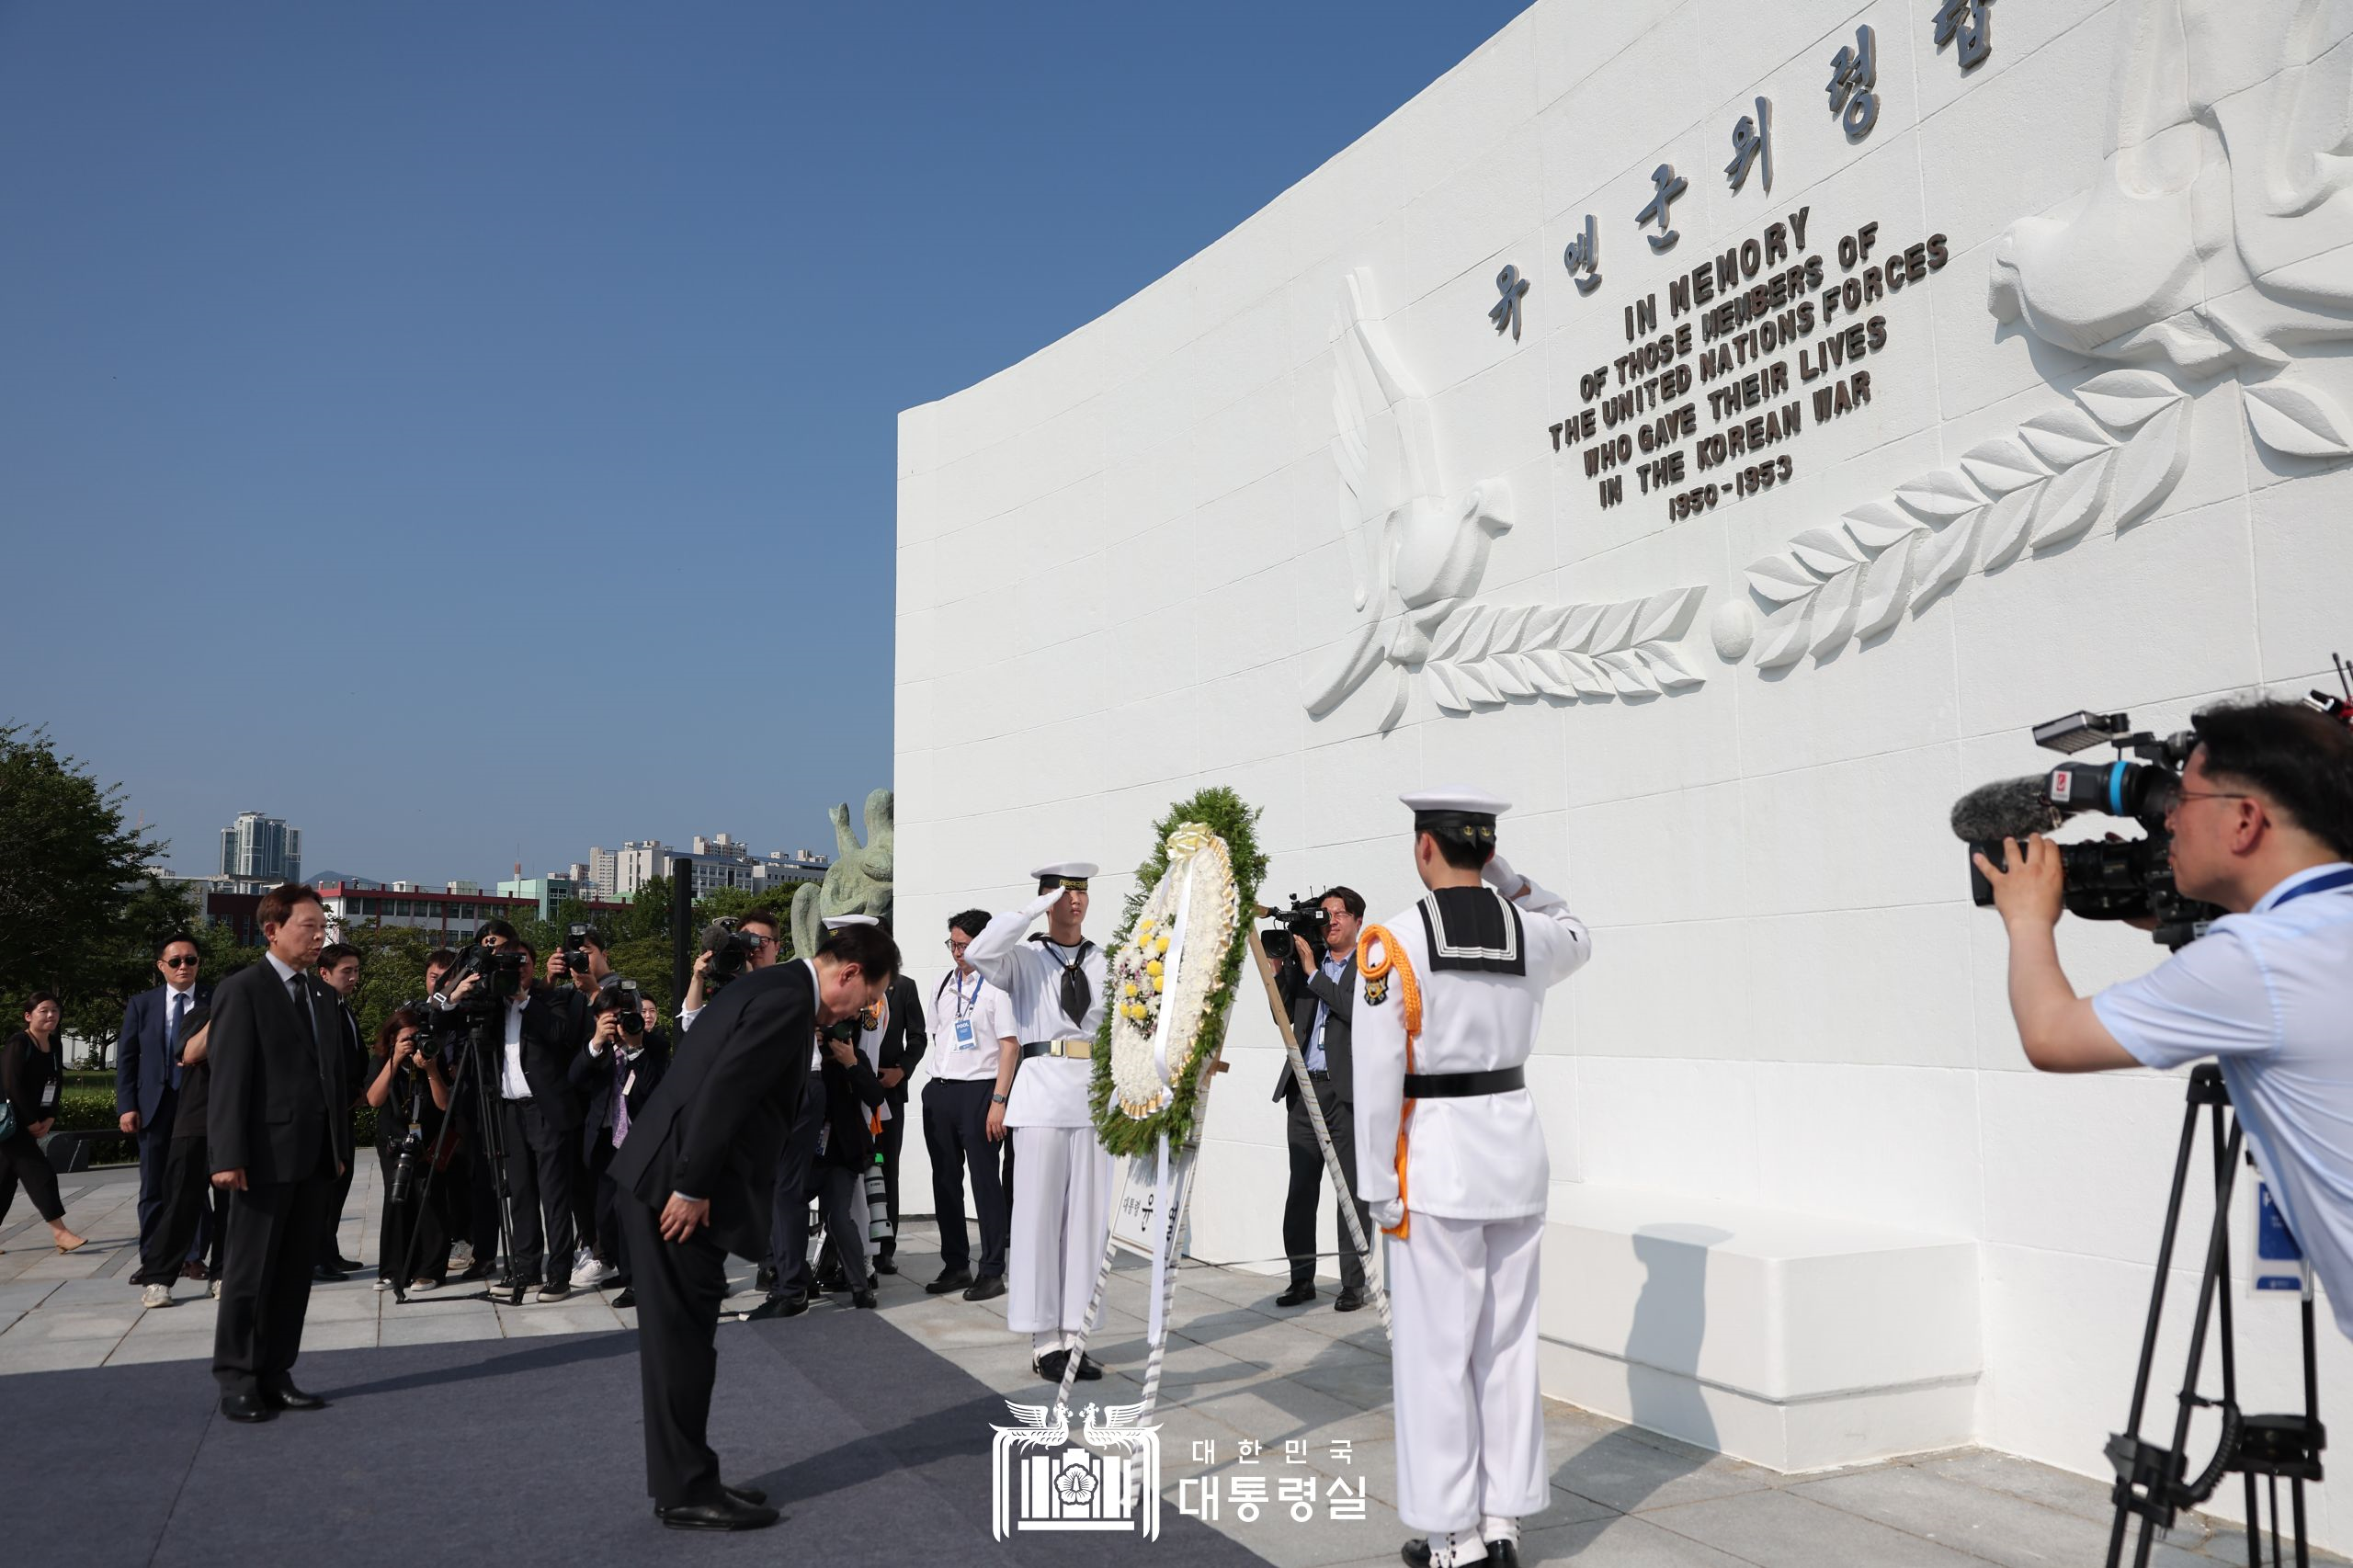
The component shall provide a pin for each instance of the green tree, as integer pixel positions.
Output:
(121, 962)
(68, 867)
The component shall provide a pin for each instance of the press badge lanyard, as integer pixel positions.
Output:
(2328, 883)
(965, 1039)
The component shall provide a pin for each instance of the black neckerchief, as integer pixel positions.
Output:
(1078, 995)
(1472, 928)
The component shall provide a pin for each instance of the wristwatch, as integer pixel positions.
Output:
(996, 1099)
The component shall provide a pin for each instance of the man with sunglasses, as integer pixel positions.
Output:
(2262, 826)
(146, 1101)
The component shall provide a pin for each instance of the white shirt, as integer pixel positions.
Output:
(1047, 1091)
(512, 1085)
(988, 1014)
(1479, 1157)
(2270, 994)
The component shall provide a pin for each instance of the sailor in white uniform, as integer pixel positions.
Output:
(1062, 1177)
(1450, 1158)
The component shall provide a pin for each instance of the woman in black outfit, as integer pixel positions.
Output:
(401, 1080)
(32, 1082)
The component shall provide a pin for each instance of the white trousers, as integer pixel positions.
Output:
(1062, 1216)
(1470, 1419)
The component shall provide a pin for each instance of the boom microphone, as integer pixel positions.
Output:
(2008, 808)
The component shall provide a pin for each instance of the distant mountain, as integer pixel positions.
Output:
(326, 878)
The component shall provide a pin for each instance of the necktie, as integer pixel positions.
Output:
(301, 999)
(621, 1100)
(1078, 996)
(180, 1012)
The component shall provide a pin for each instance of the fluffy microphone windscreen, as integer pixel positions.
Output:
(2008, 808)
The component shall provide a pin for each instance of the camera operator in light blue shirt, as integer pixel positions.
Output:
(2264, 828)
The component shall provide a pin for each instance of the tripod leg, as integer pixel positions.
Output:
(2296, 1500)
(2122, 1493)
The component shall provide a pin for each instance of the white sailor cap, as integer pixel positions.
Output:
(1069, 873)
(835, 922)
(1457, 810)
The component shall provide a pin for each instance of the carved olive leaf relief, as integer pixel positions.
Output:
(2112, 461)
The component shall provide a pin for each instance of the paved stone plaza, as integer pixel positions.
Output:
(1238, 1371)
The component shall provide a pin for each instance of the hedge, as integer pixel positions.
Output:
(89, 1110)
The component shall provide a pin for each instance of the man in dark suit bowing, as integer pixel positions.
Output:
(1320, 990)
(697, 1172)
(278, 1142)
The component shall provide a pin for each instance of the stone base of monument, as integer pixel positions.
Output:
(1793, 1341)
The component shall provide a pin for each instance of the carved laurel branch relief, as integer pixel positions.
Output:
(1494, 652)
(2115, 458)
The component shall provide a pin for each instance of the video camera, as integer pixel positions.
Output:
(2107, 879)
(1305, 918)
(500, 969)
(730, 950)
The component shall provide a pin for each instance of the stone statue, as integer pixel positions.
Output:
(858, 881)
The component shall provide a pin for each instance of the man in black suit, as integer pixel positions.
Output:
(542, 1031)
(699, 1175)
(278, 1142)
(905, 1040)
(339, 970)
(147, 1081)
(1320, 990)
(615, 1076)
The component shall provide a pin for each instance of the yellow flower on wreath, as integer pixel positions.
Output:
(1131, 989)
(1160, 943)
(1154, 968)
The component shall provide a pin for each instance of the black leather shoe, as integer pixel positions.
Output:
(628, 1298)
(727, 1514)
(247, 1408)
(861, 1299)
(348, 1264)
(777, 1307)
(832, 1282)
(1090, 1369)
(322, 1275)
(764, 1280)
(1503, 1554)
(752, 1497)
(884, 1263)
(291, 1398)
(987, 1288)
(950, 1280)
(1052, 1365)
(1296, 1296)
(1347, 1302)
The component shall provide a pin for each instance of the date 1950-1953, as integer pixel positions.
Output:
(1753, 479)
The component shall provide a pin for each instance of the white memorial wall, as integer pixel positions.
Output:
(1730, 537)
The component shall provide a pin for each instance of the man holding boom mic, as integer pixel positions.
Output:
(2260, 820)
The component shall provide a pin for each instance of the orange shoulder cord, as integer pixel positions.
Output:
(1410, 998)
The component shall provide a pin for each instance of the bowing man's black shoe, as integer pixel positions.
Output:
(291, 1398)
(987, 1288)
(886, 1263)
(1500, 1553)
(727, 1514)
(751, 1495)
(348, 1265)
(247, 1408)
(1347, 1302)
(861, 1298)
(950, 1280)
(1296, 1296)
(777, 1307)
(324, 1274)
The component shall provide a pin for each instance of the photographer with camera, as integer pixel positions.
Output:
(540, 1031)
(2262, 826)
(410, 1092)
(1318, 982)
(753, 940)
(615, 1074)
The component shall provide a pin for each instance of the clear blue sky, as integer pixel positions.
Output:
(467, 431)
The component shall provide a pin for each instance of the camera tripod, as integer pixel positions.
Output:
(2153, 1483)
(471, 1070)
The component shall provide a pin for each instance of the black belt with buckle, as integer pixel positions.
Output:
(1460, 1085)
(1318, 1074)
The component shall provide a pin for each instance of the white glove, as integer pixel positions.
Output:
(1497, 874)
(1388, 1213)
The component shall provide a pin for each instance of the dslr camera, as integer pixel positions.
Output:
(730, 950)
(2107, 879)
(1303, 917)
(575, 956)
(632, 1021)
